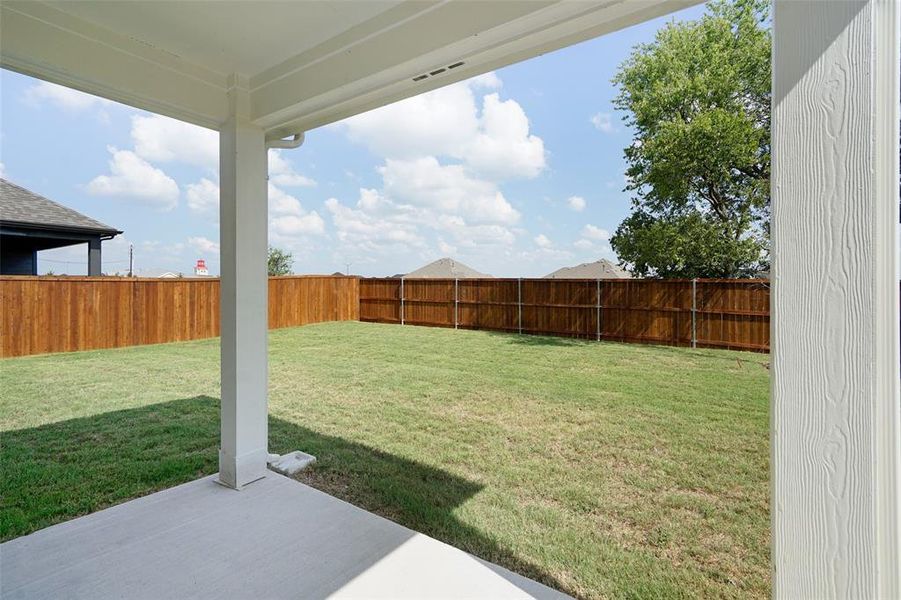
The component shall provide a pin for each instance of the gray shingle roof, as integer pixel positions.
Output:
(23, 207)
(445, 268)
(601, 269)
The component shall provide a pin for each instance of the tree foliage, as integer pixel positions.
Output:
(280, 262)
(698, 99)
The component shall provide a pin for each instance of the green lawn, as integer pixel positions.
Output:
(605, 470)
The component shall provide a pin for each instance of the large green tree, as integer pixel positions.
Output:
(698, 100)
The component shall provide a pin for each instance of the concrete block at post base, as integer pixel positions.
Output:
(292, 463)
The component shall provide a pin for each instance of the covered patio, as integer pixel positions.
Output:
(263, 73)
(277, 539)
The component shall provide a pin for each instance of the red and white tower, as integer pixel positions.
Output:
(200, 267)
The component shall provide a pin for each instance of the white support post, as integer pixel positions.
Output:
(243, 293)
(836, 408)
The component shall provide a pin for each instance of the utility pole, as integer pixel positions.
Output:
(131, 260)
(347, 268)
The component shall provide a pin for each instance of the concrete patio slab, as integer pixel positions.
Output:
(277, 538)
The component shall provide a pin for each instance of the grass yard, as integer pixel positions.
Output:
(605, 470)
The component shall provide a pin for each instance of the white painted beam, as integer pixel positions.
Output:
(367, 65)
(836, 427)
(244, 293)
(354, 73)
(41, 41)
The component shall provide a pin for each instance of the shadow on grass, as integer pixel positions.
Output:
(530, 339)
(60, 471)
(527, 339)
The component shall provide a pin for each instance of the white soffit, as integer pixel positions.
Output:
(307, 63)
(228, 37)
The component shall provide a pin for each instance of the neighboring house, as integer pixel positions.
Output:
(30, 223)
(159, 274)
(601, 269)
(164, 274)
(200, 272)
(445, 268)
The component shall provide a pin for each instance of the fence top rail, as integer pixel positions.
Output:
(115, 278)
(562, 280)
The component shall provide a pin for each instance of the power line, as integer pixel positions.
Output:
(79, 262)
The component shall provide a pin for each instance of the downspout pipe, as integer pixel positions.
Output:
(294, 141)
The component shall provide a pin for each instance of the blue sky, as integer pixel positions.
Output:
(516, 173)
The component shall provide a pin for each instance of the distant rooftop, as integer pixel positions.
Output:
(24, 208)
(445, 268)
(600, 269)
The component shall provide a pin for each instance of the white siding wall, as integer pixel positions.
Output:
(835, 415)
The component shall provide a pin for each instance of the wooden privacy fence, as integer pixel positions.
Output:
(720, 313)
(62, 314)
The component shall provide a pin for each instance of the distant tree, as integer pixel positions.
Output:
(698, 99)
(280, 262)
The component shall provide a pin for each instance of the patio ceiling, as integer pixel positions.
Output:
(306, 64)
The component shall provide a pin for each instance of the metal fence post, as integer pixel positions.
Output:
(401, 300)
(694, 313)
(599, 310)
(456, 300)
(519, 302)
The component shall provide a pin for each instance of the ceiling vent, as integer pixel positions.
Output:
(438, 71)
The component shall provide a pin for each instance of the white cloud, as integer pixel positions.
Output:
(283, 203)
(542, 241)
(493, 142)
(545, 253)
(595, 233)
(446, 189)
(603, 122)
(445, 156)
(291, 225)
(281, 172)
(471, 236)
(445, 248)
(594, 240)
(369, 232)
(576, 203)
(440, 122)
(488, 81)
(153, 254)
(504, 148)
(2, 170)
(203, 196)
(204, 245)
(160, 139)
(63, 97)
(131, 177)
(421, 194)
(288, 219)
